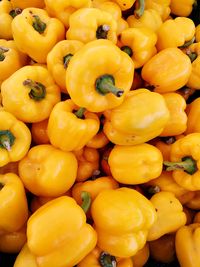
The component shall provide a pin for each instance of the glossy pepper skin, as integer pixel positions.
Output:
(15, 139)
(183, 8)
(88, 163)
(183, 31)
(14, 208)
(107, 68)
(78, 129)
(193, 123)
(11, 59)
(170, 215)
(30, 3)
(64, 9)
(30, 93)
(67, 241)
(47, 171)
(5, 20)
(58, 60)
(135, 164)
(187, 245)
(161, 6)
(39, 132)
(174, 70)
(45, 32)
(93, 24)
(139, 44)
(25, 258)
(129, 124)
(122, 219)
(177, 122)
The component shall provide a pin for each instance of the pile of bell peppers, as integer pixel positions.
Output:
(99, 132)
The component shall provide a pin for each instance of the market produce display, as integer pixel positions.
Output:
(99, 133)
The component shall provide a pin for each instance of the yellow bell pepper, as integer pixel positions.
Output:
(122, 219)
(88, 163)
(14, 241)
(45, 32)
(15, 139)
(188, 245)
(161, 6)
(66, 241)
(170, 215)
(39, 132)
(139, 44)
(174, 70)
(163, 249)
(30, 3)
(47, 171)
(122, 25)
(183, 8)
(193, 122)
(177, 122)
(58, 60)
(197, 33)
(129, 124)
(194, 203)
(14, 208)
(30, 93)
(107, 69)
(175, 32)
(63, 9)
(150, 19)
(25, 258)
(11, 59)
(185, 162)
(66, 119)
(135, 164)
(93, 24)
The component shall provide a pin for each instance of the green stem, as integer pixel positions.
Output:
(188, 43)
(3, 50)
(102, 31)
(66, 60)
(6, 139)
(106, 84)
(106, 260)
(37, 90)
(188, 164)
(38, 25)
(140, 10)
(127, 50)
(192, 56)
(86, 198)
(80, 112)
(14, 12)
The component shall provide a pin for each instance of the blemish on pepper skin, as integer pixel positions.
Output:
(156, 210)
(171, 202)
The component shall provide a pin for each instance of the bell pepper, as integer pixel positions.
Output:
(12, 242)
(25, 258)
(193, 125)
(175, 32)
(39, 132)
(129, 124)
(165, 182)
(170, 215)
(30, 94)
(62, 243)
(197, 33)
(197, 217)
(107, 69)
(88, 163)
(150, 19)
(177, 122)
(66, 119)
(194, 203)
(174, 70)
(14, 208)
(93, 24)
(47, 171)
(135, 164)
(183, 8)
(122, 218)
(64, 9)
(104, 161)
(30, 3)
(163, 249)
(15, 139)
(45, 32)
(188, 245)
(161, 6)
(139, 44)
(11, 59)
(184, 162)
(58, 60)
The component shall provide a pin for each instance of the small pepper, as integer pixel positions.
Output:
(109, 73)
(39, 132)
(45, 32)
(183, 8)
(79, 125)
(30, 3)
(30, 94)
(47, 171)
(161, 6)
